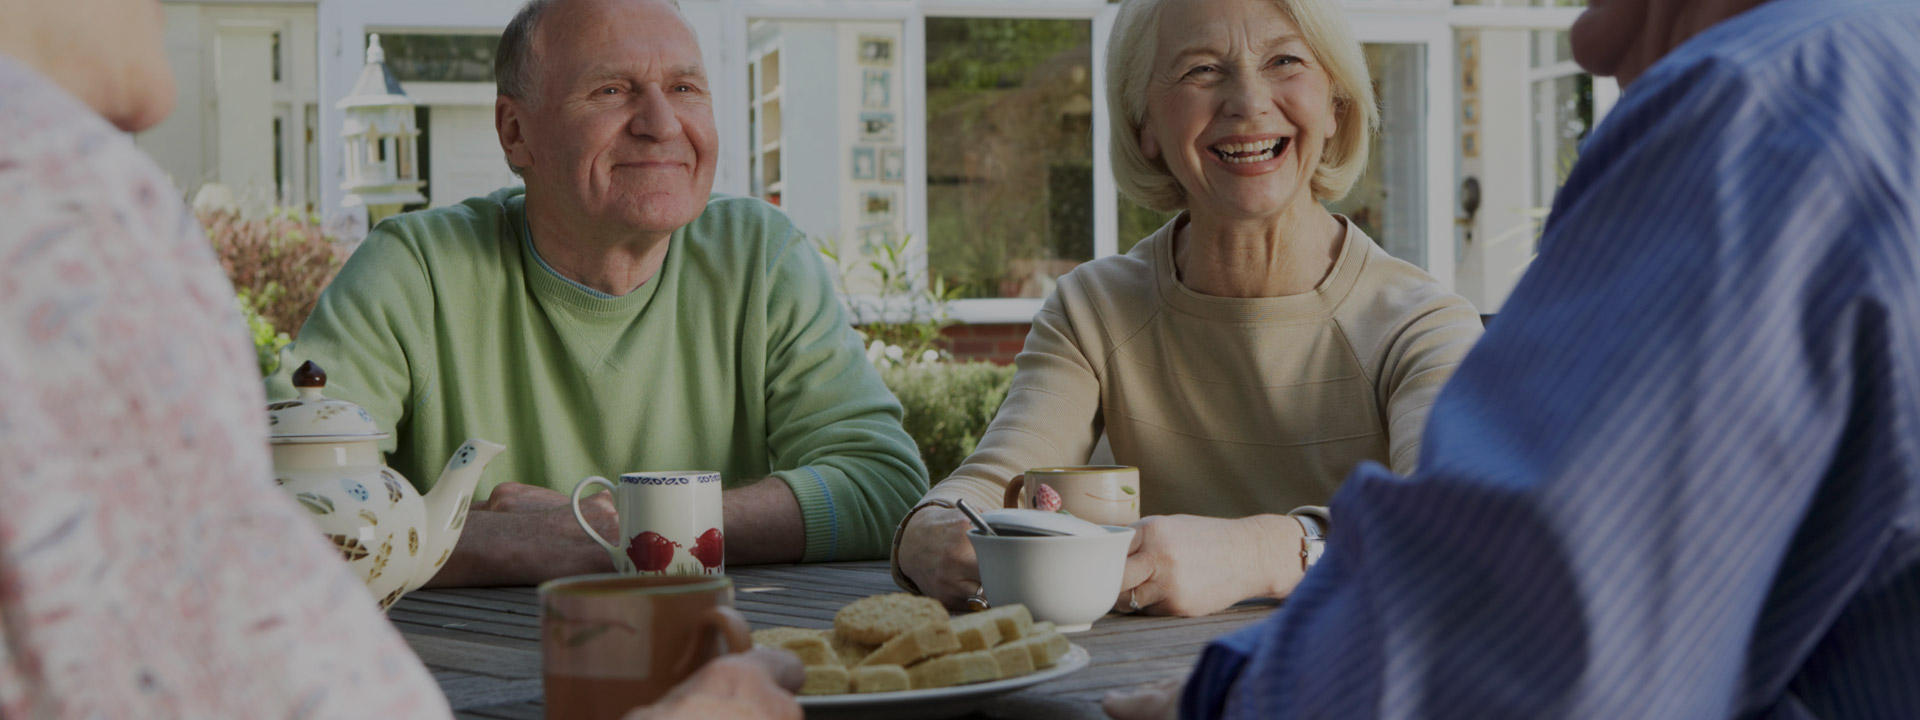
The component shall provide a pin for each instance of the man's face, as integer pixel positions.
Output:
(1622, 38)
(623, 124)
(1605, 35)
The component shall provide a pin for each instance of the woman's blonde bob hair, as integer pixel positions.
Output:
(1130, 64)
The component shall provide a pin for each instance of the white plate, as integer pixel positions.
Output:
(935, 703)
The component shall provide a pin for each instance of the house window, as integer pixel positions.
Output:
(1388, 202)
(826, 133)
(430, 57)
(1009, 153)
(1562, 106)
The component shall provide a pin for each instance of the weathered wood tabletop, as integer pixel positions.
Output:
(483, 644)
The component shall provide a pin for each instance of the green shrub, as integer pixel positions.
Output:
(267, 340)
(281, 261)
(948, 406)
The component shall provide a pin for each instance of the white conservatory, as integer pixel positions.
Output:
(973, 126)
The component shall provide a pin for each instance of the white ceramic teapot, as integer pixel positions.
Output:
(326, 454)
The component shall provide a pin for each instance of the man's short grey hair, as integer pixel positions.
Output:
(513, 66)
(513, 74)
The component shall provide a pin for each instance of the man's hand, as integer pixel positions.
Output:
(1188, 565)
(935, 555)
(1154, 701)
(526, 535)
(518, 498)
(757, 685)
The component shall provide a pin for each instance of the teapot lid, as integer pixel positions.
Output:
(316, 418)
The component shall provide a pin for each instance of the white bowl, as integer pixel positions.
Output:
(1069, 581)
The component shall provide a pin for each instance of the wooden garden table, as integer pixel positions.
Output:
(483, 644)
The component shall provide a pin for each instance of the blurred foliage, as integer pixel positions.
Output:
(948, 407)
(434, 57)
(278, 265)
(1009, 187)
(281, 261)
(902, 321)
(1138, 221)
(987, 53)
(267, 340)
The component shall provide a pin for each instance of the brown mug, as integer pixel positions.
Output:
(611, 643)
(1101, 494)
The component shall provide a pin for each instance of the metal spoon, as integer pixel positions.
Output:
(979, 523)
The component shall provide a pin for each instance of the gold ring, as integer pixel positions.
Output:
(977, 602)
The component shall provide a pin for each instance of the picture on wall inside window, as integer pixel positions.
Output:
(1470, 144)
(876, 127)
(876, 50)
(876, 206)
(893, 164)
(863, 163)
(875, 88)
(1469, 111)
(876, 236)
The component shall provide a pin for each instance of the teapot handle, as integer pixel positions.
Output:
(582, 519)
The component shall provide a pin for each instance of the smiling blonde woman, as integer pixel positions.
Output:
(1245, 356)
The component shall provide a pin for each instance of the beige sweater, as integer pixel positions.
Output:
(1230, 407)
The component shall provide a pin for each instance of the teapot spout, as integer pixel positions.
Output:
(447, 504)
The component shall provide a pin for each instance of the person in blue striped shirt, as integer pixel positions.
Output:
(1679, 477)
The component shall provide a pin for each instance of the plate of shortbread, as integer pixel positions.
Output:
(901, 655)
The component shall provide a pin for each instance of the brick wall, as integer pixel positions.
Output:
(996, 343)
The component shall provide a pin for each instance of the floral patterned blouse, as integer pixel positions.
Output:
(148, 566)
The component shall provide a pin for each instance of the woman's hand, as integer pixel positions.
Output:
(1189, 565)
(935, 555)
(755, 685)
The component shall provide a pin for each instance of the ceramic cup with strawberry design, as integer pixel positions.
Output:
(669, 522)
(1101, 494)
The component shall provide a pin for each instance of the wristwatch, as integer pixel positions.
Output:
(1313, 540)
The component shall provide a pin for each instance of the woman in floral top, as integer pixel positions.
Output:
(148, 567)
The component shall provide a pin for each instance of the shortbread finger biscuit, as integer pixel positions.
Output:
(977, 631)
(1013, 620)
(826, 680)
(850, 652)
(875, 620)
(934, 637)
(1045, 649)
(777, 636)
(809, 645)
(956, 669)
(1014, 660)
(880, 678)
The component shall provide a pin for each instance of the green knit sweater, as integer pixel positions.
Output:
(736, 357)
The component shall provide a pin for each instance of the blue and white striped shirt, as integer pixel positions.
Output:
(1678, 477)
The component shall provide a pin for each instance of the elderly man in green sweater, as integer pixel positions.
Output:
(615, 316)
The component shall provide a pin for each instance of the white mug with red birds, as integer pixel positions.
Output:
(669, 522)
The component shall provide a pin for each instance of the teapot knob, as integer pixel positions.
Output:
(309, 375)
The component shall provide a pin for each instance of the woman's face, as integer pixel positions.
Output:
(1238, 108)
